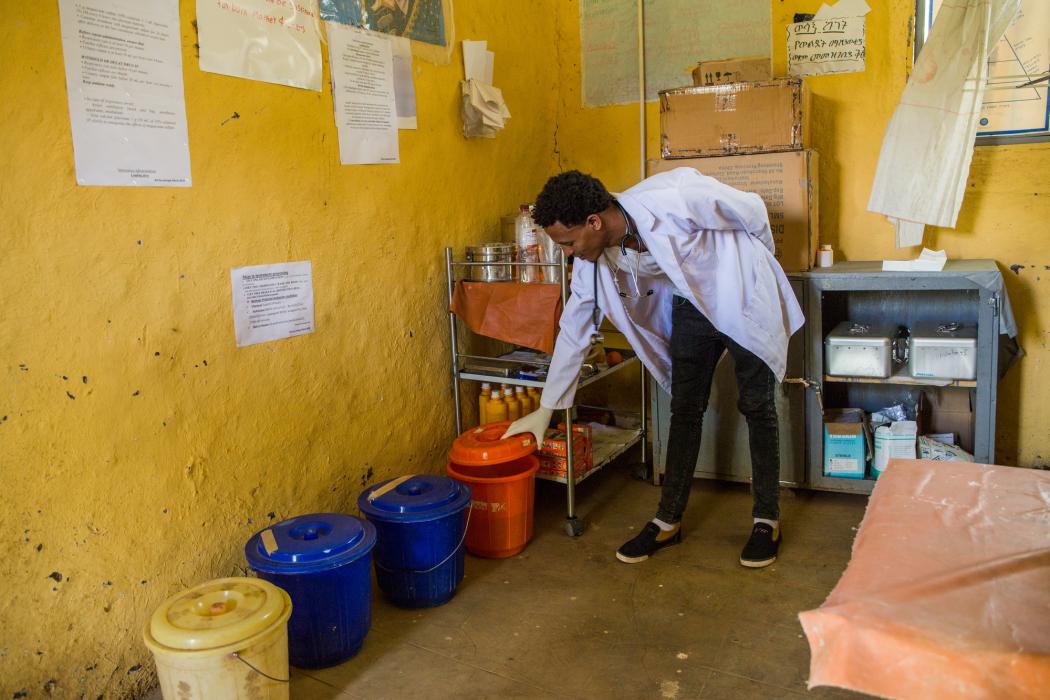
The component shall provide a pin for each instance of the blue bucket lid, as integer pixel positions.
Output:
(310, 543)
(414, 498)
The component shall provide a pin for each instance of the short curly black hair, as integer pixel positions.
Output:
(570, 198)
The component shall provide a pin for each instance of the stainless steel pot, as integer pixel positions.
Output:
(492, 253)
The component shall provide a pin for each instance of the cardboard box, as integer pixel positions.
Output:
(847, 443)
(555, 444)
(733, 70)
(719, 120)
(949, 411)
(553, 451)
(788, 184)
(557, 466)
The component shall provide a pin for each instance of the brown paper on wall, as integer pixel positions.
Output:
(521, 314)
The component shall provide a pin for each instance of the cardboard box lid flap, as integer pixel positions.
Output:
(844, 429)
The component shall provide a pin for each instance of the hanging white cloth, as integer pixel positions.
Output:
(926, 153)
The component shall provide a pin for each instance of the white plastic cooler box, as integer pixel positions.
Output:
(943, 351)
(860, 350)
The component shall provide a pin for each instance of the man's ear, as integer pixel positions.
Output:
(595, 222)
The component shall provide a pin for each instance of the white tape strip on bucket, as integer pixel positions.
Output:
(269, 542)
(389, 486)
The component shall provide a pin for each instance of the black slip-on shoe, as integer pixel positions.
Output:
(647, 542)
(761, 548)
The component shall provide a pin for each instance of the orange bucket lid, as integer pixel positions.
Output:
(482, 446)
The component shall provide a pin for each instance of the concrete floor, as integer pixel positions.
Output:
(565, 619)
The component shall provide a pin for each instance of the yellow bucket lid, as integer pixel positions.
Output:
(218, 613)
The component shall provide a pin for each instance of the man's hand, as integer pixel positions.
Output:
(535, 423)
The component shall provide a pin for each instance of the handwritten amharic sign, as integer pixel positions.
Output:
(825, 46)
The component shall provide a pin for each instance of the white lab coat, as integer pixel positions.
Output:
(925, 158)
(713, 244)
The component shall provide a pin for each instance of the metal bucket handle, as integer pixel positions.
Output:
(262, 673)
(441, 563)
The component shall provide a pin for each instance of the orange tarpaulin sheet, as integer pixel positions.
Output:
(948, 591)
(522, 314)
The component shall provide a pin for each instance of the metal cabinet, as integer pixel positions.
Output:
(968, 291)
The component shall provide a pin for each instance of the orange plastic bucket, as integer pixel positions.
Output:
(502, 497)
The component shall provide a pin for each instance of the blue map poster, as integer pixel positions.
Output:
(419, 20)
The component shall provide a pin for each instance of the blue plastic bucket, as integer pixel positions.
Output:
(420, 526)
(324, 563)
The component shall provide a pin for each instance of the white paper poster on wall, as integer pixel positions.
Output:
(678, 33)
(271, 302)
(127, 110)
(363, 95)
(274, 41)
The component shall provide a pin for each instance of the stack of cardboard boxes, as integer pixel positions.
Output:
(743, 128)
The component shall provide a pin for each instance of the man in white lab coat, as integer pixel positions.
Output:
(683, 266)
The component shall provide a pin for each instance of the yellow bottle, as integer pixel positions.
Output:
(524, 403)
(483, 399)
(534, 395)
(513, 407)
(495, 409)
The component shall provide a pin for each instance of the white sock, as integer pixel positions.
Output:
(666, 527)
(772, 523)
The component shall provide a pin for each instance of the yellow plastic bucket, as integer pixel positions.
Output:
(226, 638)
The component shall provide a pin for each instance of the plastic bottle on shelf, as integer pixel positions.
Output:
(548, 254)
(483, 399)
(495, 409)
(513, 407)
(524, 404)
(528, 245)
(825, 256)
(534, 396)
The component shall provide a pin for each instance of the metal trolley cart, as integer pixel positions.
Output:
(612, 442)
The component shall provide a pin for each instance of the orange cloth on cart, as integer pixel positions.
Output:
(522, 314)
(948, 591)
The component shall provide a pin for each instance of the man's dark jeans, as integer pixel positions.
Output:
(696, 348)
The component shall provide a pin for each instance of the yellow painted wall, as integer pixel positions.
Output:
(139, 448)
(131, 496)
(1003, 218)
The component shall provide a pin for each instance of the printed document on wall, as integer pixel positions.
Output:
(271, 302)
(126, 104)
(363, 95)
(274, 41)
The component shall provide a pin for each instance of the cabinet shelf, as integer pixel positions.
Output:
(511, 381)
(901, 376)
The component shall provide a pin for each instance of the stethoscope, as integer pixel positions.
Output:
(596, 318)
